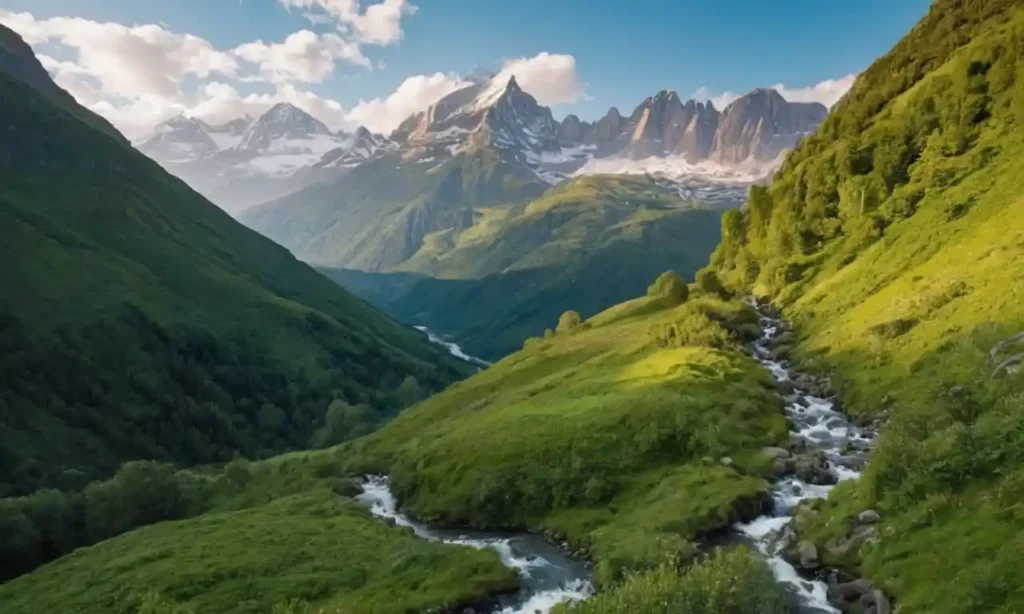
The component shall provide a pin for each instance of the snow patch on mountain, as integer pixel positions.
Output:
(677, 167)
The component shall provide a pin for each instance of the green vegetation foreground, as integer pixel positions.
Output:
(894, 240)
(611, 431)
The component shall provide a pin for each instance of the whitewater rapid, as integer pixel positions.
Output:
(823, 430)
(548, 577)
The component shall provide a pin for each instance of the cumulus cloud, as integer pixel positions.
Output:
(137, 60)
(720, 101)
(412, 96)
(304, 56)
(826, 92)
(378, 24)
(135, 76)
(549, 77)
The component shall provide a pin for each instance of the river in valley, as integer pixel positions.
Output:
(548, 576)
(453, 348)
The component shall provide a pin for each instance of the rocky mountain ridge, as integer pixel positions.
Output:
(245, 161)
(755, 130)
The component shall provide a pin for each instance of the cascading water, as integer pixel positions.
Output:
(548, 577)
(835, 446)
(827, 438)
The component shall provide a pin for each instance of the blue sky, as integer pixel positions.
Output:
(622, 52)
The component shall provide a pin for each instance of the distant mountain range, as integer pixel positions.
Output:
(514, 215)
(245, 162)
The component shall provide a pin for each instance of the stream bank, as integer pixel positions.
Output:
(825, 448)
(548, 576)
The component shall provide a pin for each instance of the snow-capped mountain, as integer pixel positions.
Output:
(281, 125)
(663, 135)
(361, 146)
(229, 134)
(244, 161)
(180, 140)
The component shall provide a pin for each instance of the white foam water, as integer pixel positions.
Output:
(824, 431)
(548, 579)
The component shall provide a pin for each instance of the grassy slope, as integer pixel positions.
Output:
(600, 433)
(377, 216)
(138, 320)
(904, 303)
(728, 582)
(585, 245)
(570, 222)
(283, 542)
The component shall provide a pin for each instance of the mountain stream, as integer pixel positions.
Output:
(823, 433)
(549, 577)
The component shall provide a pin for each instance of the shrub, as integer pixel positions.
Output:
(569, 321)
(669, 286)
(895, 328)
(709, 283)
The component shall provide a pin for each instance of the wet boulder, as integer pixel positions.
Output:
(815, 470)
(774, 453)
(807, 555)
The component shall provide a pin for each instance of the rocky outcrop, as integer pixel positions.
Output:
(761, 125)
(607, 133)
(572, 131)
(664, 125)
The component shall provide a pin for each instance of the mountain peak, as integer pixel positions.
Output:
(512, 86)
(283, 121)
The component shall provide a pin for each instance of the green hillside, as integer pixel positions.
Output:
(609, 432)
(278, 536)
(140, 321)
(585, 245)
(894, 238)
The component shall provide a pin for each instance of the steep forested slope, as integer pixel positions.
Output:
(138, 320)
(894, 237)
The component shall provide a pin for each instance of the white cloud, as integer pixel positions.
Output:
(128, 61)
(221, 102)
(135, 76)
(378, 24)
(549, 77)
(826, 92)
(720, 101)
(304, 56)
(412, 96)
